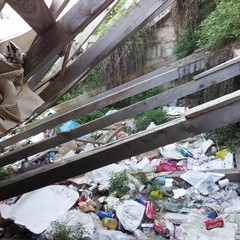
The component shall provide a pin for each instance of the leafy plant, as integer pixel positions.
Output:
(144, 95)
(63, 232)
(118, 183)
(158, 116)
(93, 115)
(226, 137)
(142, 177)
(186, 44)
(221, 26)
(114, 16)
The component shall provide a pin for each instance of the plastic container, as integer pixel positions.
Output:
(185, 152)
(110, 223)
(103, 214)
(140, 235)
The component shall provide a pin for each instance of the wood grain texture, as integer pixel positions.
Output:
(128, 112)
(58, 36)
(35, 13)
(131, 88)
(79, 40)
(57, 7)
(160, 136)
(139, 16)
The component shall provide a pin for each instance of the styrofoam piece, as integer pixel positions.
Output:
(37, 209)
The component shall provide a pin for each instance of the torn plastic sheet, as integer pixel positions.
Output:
(100, 175)
(37, 209)
(130, 214)
(74, 219)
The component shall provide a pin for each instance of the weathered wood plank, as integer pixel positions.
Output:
(57, 7)
(35, 13)
(2, 3)
(165, 134)
(139, 16)
(131, 111)
(80, 39)
(63, 31)
(136, 86)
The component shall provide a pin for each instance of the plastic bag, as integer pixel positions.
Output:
(130, 214)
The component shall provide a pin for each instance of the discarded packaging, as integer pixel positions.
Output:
(215, 223)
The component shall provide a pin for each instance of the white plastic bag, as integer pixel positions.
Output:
(130, 214)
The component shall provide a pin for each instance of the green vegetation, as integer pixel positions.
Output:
(186, 44)
(5, 172)
(114, 16)
(93, 115)
(226, 137)
(118, 183)
(158, 116)
(222, 25)
(63, 232)
(144, 95)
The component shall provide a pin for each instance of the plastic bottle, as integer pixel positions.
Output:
(140, 235)
(185, 152)
(172, 206)
(110, 223)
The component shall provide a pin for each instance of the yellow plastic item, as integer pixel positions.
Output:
(110, 223)
(222, 154)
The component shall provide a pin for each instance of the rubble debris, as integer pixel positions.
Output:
(136, 198)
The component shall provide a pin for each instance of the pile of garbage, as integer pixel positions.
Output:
(135, 199)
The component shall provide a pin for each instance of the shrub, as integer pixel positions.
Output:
(186, 44)
(226, 137)
(158, 116)
(221, 26)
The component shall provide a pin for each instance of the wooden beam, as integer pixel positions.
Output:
(138, 17)
(58, 36)
(145, 141)
(2, 3)
(57, 7)
(150, 103)
(80, 39)
(35, 13)
(152, 79)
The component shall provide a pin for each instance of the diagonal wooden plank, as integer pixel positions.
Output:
(162, 135)
(2, 3)
(35, 13)
(57, 7)
(150, 103)
(177, 69)
(138, 17)
(80, 39)
(58, 36)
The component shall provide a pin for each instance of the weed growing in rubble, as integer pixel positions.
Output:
(158, 116)
(118, 183)
(63, 232)
(226, 137)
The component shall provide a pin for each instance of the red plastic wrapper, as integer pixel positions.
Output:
(158, 168)
(215, 223)
(149, 210)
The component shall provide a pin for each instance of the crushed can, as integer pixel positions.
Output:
(149, 211)
(162, 230)
(215, 223)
